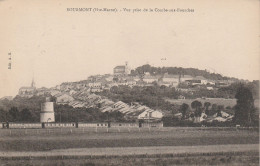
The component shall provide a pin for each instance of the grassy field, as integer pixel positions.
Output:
(218, 101)
(165, 137)
(220, 159)
(184, 146)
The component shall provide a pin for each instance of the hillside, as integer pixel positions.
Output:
(179, 70)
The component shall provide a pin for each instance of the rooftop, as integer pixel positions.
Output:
(170, 76)
(32, 88)
(119, 67)
(200, 78)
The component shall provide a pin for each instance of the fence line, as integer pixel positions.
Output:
(49, 131)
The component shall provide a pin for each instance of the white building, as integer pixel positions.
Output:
(184, 78)
(202, 80)
(170, 80)
(27, 91)
(151, 115)
(47, 112)
(149, 78)
(198, 80)
(94, 89)
(63, 98)
(122, 70)
(95, 84)
(210, 88)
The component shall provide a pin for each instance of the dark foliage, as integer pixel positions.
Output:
(184, 108)
(206, 105)
(28, 110)
(170, 121)
(197, 106)
(244, 109)
(177, 70)
(151, 96)
(66, 113)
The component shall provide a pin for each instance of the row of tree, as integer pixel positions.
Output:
(176, 71)
(63, 113)
(14, 115)
(198, 109)
(29, 109)
(245, 113)
(151, 96)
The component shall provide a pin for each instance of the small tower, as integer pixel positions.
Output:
(33, 83)
(179, 77)
(127, 69)
(47, 111)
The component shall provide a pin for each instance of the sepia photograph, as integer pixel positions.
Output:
(129, 82)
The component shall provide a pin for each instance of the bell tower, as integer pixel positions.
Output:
(127, 69)
(33, 83)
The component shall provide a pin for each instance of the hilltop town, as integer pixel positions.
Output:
(149, 93)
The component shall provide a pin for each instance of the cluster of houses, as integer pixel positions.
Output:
(85, 93)
(121, 76)
(27, 91)
(92, 100)
(79, 95)
(134, 111)
(222, 116)
(131, 112)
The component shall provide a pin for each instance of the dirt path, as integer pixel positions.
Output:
(137, 150)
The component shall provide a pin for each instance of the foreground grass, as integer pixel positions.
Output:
(245, 158)
(31, 140)
(136, 139)
(35, 145)
(183, 137)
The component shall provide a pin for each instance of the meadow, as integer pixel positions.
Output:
(219, 159)
(130, 146)
(49, 139)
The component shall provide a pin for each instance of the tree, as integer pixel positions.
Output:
(206, 105)
(3, 115)
(14, 114)
(197, 106)
(183, 109)
(53, 99)
(114, 89)
(155, 83)
(220, 108)
(228, 107)
(26, 115)
(214, 107)
(244, 109)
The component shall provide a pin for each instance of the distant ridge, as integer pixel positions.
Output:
(180, 71)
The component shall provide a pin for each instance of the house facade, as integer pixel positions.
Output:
(149, 78)
(170, 80)
(95, 84)
(198, 80)
(63, 98)
(184, 78)
(122, 70)
(26, 91)
(202, 80)
(150, 115)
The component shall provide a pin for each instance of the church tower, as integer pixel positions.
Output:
(127, 68)
(33, 83)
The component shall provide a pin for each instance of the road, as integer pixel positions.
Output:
(121, 151)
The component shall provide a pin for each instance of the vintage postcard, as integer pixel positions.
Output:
(120, 82)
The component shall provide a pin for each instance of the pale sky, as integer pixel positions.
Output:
(58, 46)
